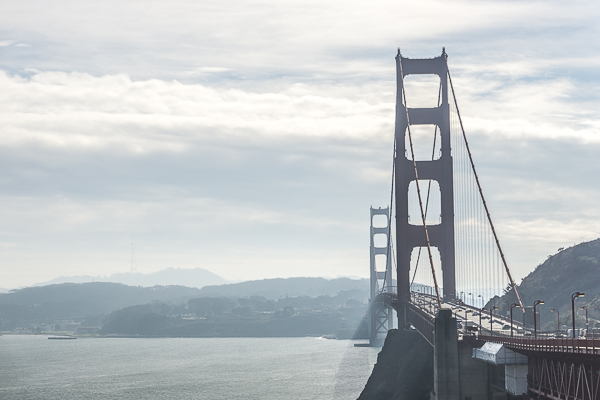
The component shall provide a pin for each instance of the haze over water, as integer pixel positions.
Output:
(33, 367)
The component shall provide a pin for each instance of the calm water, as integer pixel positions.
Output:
(33, 367)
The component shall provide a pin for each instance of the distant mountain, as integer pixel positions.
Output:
(196, 277)
(274, 289)
(573, 269)
(88, 303)
(253, 316)
(80, 300)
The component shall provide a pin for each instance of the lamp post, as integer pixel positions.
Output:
(492, 319)
(557, 319)
(535, 303)
(574, 295)
(481, 300)
(586, 318)
(513, 305)
(466, 320)
(481, 312)
(471, 294)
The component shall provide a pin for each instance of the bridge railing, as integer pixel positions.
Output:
(555, 345)
(422, 321)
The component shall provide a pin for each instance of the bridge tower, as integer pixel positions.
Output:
(381, 315)
(409, 236)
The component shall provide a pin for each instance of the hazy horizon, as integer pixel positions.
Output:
(155, 278)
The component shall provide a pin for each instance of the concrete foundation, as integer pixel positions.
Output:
(445, 359)
(474, 384)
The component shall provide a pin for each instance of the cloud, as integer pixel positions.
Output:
(252, 137)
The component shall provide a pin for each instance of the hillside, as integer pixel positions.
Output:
(274, 289)
(255, 316)
(573, 269)
(89, 303)
(80, 300)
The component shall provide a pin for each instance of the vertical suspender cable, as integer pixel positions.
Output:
(512, 282)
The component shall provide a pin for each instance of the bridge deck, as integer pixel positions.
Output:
(423, 308)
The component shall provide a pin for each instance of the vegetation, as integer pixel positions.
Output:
(80, 301)
(183, 311)
(274, 289)
(573, 269)
(255, 316)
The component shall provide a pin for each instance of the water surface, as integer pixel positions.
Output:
(33, 367)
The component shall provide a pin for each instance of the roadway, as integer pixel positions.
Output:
(484, 323)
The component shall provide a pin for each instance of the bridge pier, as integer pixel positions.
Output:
(456, 374)
(445, 358)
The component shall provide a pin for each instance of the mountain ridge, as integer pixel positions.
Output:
(572, 269)
(192, 277)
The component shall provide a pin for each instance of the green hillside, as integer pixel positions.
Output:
(573, 269)
(80, 300)
(274, 289)
(259, 303)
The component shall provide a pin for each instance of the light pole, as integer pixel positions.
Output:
(466, 320)
(492, 319)
(574, 295)
(481, 312)
(481, 300)
(586, 318)
(535, 303)
(462, 297)
(471, 294)
(557, 319)
(513, 305)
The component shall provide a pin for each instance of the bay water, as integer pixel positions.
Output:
(33, 367)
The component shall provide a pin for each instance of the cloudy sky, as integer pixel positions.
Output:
(251, 138)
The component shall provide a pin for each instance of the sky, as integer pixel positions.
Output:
(251, 138)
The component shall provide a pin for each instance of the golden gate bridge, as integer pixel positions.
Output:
(444, 269)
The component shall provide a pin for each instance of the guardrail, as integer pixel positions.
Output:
(555, 345)
(422, 322)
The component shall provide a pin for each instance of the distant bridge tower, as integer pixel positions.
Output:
(409, 236)
(381, 315)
